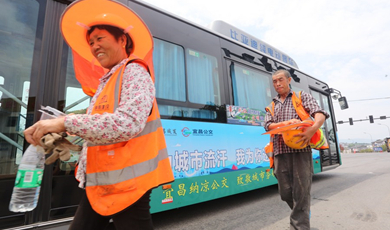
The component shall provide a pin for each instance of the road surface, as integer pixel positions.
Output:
(353, 196)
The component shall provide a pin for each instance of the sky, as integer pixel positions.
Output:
(343, 43)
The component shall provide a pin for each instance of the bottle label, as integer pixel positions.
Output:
(28, 178)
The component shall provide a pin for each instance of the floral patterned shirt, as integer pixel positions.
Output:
(127, 121)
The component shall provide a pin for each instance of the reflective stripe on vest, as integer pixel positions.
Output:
(117, 89)
(128, 173)
(150, 127)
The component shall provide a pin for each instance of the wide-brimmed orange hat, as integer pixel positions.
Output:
(81, 15)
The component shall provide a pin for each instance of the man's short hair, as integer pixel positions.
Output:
(285, 72)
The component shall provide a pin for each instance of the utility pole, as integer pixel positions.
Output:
(386, 126)
(370, 136)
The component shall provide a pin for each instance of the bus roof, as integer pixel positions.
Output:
(236, 34)
(230, 32)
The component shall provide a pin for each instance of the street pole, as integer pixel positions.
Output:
(386, 126)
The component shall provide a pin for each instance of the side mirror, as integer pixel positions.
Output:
(337, 95)
(343, 103)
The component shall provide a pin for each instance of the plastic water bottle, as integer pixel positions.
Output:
(28, 180)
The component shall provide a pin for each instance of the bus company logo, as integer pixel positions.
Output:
(102, 104)
(169, 132)
(103, 100)
(186, 131)
(202, 132)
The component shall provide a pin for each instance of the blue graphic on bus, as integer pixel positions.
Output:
(208, 148)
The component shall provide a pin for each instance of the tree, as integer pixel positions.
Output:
(367, 150)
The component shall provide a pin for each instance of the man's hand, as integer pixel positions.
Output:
(35, 132)
(308, 132)
(306, 135)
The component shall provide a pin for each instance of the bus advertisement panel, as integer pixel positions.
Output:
(212, 160)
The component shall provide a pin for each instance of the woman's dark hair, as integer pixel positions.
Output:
(116, 32)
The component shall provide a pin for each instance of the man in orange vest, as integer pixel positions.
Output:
(124, 155)
(293, 168)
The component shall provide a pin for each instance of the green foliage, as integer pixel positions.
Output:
(80, 111)
(367, 150)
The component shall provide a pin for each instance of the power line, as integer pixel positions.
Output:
(371, 99)
(367, 99)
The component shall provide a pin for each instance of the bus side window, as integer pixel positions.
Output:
(169, 70)
(296, 89)
(18, 34)
(76, 101)
(251, 88)
(203, 80)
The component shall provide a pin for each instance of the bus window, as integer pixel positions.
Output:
(251, 88)
(18, 29)
(331, 131)
(296, 89)
(169, 70)
(329, 156)
(203, 80)
(76, 101)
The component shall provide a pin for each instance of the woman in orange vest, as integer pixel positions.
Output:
(124, 154)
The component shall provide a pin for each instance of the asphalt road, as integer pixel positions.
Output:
(353, 196)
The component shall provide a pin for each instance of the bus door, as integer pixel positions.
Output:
(65, 193)
(19, 32)
(32, 74)
(329, 156)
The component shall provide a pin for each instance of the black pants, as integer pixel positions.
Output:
(294, 173)
(136, 216)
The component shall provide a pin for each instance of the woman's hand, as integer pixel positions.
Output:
(35, 132)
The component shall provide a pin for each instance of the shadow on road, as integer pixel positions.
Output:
(209, 208)
(324, 184)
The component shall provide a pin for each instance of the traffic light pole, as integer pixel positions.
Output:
(370, 118)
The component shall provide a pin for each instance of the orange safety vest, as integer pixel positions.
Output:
(316, 142)
(119, 174)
